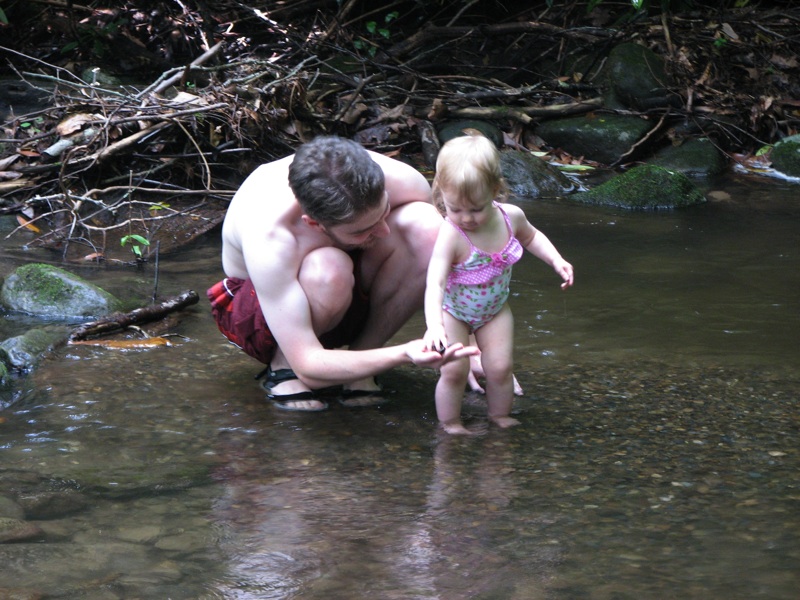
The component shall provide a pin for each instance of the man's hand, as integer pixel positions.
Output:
(423, 357)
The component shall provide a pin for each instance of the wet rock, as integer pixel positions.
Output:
(785, 156)
(529, 176)
(603, 138)
(48, 291)
(9, 508)
(52, 504)
(645, 187)
(17, 530)
(636, 78)
(698, 157)
(23, 352)
(451, 129)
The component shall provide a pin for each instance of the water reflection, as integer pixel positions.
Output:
(657, 456)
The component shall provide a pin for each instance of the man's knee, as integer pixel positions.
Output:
(327, 273)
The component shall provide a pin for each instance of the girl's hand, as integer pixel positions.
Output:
(435, 339)
(565, 271)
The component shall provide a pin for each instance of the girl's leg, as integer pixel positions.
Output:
(452, 381)
(496, 341)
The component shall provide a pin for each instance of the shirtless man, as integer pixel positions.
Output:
(323, 249)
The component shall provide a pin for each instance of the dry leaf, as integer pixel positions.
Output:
(27, 224)
(74, 123)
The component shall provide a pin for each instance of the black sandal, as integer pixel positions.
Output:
(284, 401)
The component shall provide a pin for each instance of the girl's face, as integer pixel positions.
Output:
(466, 213)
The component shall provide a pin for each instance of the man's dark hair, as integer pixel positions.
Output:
(335, 180)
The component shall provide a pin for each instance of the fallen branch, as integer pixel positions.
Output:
(119, 321)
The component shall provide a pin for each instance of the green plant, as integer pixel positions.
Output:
(135, 240)
(375, 34)
(33, 126)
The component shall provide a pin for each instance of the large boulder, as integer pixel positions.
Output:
(645, 187)
(636, 78)
(600, 137)
(528, 176)
(47, 291)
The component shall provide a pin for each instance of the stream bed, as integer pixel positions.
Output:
(657, 457)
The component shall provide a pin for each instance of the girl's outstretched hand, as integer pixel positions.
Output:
(565, 271)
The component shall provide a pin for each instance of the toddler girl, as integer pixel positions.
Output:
(469, 274)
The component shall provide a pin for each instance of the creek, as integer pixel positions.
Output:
(657, 456)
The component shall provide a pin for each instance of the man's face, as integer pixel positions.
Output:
(365, 230)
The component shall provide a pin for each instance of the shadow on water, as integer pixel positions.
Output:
(657, 456)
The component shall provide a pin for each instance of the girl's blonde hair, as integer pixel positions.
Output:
(469, 167)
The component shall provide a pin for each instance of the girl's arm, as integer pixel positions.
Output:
(438, 270)
(537, 243)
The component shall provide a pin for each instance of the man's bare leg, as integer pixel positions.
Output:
(326, 275)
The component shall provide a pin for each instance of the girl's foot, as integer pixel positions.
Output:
(458, 428)
(504, 422)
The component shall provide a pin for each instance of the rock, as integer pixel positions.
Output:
(785, 156)
(603, 138)
(636, 78)
(644, 187)
(698, 157)
(23, 352)
(52, 504)
(450, 129)
(17, 530)
(529, 176)
(48, 291)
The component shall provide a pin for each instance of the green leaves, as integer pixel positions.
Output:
(135, 241)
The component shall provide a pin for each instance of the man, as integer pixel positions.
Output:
(324, 249)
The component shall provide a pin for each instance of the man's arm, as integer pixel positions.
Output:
(288, 314)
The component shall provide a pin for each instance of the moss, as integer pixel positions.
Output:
(645, 187)
(45, 282)
(785, 156)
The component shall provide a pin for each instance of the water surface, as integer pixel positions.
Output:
(657, 456)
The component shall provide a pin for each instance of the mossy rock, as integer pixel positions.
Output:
(599, 137)
(697, 157)
(23, 352)
(645, 187)
(785, 156)
(47, 291)
(5, 376)
(637, 78)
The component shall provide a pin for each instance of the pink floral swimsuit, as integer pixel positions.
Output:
(478, 287)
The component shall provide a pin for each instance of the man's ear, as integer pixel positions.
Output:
(312, 223)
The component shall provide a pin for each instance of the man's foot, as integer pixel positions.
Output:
(295, 396)
(366, 392)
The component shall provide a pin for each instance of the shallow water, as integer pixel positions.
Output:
(657, 456)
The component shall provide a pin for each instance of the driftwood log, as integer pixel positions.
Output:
(120, 321)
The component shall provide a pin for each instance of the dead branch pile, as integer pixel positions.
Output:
(161, 159)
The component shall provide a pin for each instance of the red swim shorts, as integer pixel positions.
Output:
(235, 308)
